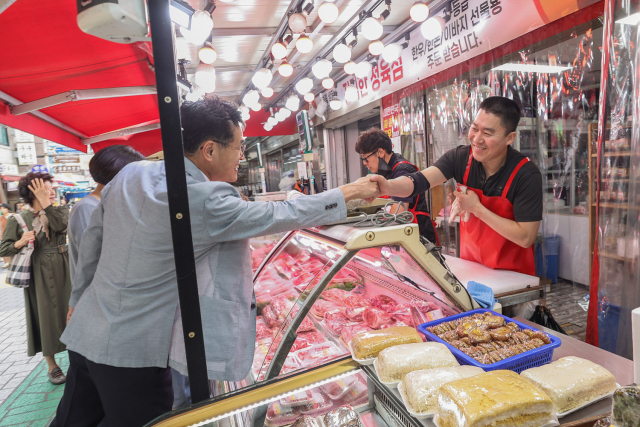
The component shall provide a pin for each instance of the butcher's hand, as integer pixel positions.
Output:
(383, 184)
(469, 202)
(363, 188)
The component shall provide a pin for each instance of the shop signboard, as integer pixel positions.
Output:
(9, 169)
(304, 131)
(475, 27)
(23, 136)
(54, 148)
(27, 153)
(66, 168)
(58, 159)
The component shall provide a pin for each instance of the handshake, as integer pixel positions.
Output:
(368, 187)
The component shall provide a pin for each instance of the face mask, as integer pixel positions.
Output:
(383, 167)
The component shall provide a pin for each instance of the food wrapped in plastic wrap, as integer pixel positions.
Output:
(320, 404)
(421, 387)
(349, 331)
(355, 314)
(397, 361)
(309, 421)
(603, 422)
(262, 330)
(354, 300)
(500, 398)
(306, 325)
(321, 307)
(269, 317)
(358, 394)
(403, 314)
(335, 295)
(376, 318)
(334, 321)
(344, 416)
(336, 389)
(277, 415)
(571, 381)
(384, 302)
(367, 345)
(318, 353)
(626, 407)
(302, 398)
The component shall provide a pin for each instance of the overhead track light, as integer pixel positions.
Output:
(201, 26)
(210, 7)
(351, 94)
(196, 94)
(267, 92)
(256, 107)
(328, 83)
(328, 12)
(251, 98)
(279, 49)
(286, 113)
(207, 54)
(363, 69)
(342, 53)
(304, 85)
(419, 12)
(184, 84)
(285, 69)
(298, 21)
(335, 103)
(268, 126)
(262, 78)
(350, 67)
(181, 13)
(272, 121)
(372, 27)
(206, 77)
(322, 68)
(309, 97)
(304, 44)
(293, 103)
(376, 47)
(244, 112)
(392, 52)
(432, 27)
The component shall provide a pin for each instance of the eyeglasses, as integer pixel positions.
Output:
(242, 147)
(366, 158)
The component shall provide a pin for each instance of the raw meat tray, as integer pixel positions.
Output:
(529, 359)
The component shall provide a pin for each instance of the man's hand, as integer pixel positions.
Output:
(363, 188)
(383, 184)
(26, 238)
(69, 314)
(469, 202)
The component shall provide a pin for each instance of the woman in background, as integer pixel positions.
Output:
(5, 209)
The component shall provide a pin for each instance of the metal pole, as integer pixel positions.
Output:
(171, 130)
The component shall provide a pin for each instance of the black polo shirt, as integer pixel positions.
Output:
(525, 193)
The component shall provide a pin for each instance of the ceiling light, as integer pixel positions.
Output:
(285, 69)
(207, 54)
(272, 121)
(206, 77)
(335, 104)
(262, 78)
(432, 27)
(419, 12)
(392, 52)
(196, 94)
(328, 12)
(186, 50)
(322, 68)
(363, 69)
(321, 107)
(285, 112)
(309, 97)
(268, 127)
(279, 116)
(184, 84)
(304, 85)
(244, 111)
(251, 97)
(279, 50)
(298, 22)
(293, 103)
(267, 92)
(351, 94)
(342, 53)
(350, 67)
(201, 26)
(328, 83)
(376, 47)
(532, 68)
(304, 44)
(245, 116)
(372, 27)
(256, 107)
(181, 13)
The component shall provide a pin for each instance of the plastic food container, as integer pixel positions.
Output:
(530, 359)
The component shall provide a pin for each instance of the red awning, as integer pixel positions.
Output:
(11, 177)
(44, 53)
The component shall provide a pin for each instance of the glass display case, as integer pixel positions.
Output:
(314, 291)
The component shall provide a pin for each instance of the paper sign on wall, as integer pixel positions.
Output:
(302, 170)
(27, 153)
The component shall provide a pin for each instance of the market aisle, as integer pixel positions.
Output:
(27, 399)
(569, 308)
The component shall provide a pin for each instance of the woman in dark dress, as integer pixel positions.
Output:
(47, 297)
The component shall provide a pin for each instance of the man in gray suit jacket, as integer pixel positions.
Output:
(125, 295)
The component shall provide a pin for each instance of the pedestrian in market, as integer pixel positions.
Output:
(6, 212)
(502, 190)
(47, 296)
(103, 166)
(376, 151)
(126, 329)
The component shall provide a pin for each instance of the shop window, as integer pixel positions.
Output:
(4, 136)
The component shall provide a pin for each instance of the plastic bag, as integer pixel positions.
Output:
(355, 314)
(349, 331)
(385, 303)
(543, 317)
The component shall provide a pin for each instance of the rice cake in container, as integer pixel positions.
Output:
(497, 399)
(367, 345)
(571, 381)
(397, 361)
(421, 387)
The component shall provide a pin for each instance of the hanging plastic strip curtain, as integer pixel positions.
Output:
(615, 283)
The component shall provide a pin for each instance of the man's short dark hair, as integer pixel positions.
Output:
(373, 139)
(505, 108)
(210, 119)
(110, 160)
(5, 205)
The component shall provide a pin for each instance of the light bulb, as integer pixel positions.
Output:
(268, 127)
(322, 68)
(419, 12)
(335, 104)
(196, 93)
(304, 44)
(342, 53)
(206, 77)
(376, 47)
(244, 112)
(363, 69)
(186, 50)
(201, 26)
(279, 50)
(267, 92)
(321, 107)
(279, 116)
(207, 54)
(328, 83)
(351, 94)
(293, 103)
(304, 85)
(252, 97)
(309, 97)
(432, 27)
(328, 13)
(256, 107)
(392, 52)
(272, 121)
(350, 67)
(262, 78)
(371, 28)
(297, 22)
(285, 112)
(285, 69)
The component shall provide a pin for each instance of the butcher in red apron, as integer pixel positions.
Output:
(504, 189)
(376, 151)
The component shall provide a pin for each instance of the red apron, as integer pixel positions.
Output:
(480, 243)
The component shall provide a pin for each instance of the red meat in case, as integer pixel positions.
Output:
(262, 331)
(334, 321)
(306, 326)
(320, 307)
(354, 300)
(384, 303)
(336, 295)
(393, 324)
(376, 318)
(318, 353)
(281, 306)
(269, 317)
(403, 314)
(350, 330)
(355, 314)
(307, 339)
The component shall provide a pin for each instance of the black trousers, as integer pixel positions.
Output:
(109, 396)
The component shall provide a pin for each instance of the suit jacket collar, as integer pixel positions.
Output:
(193, 171)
